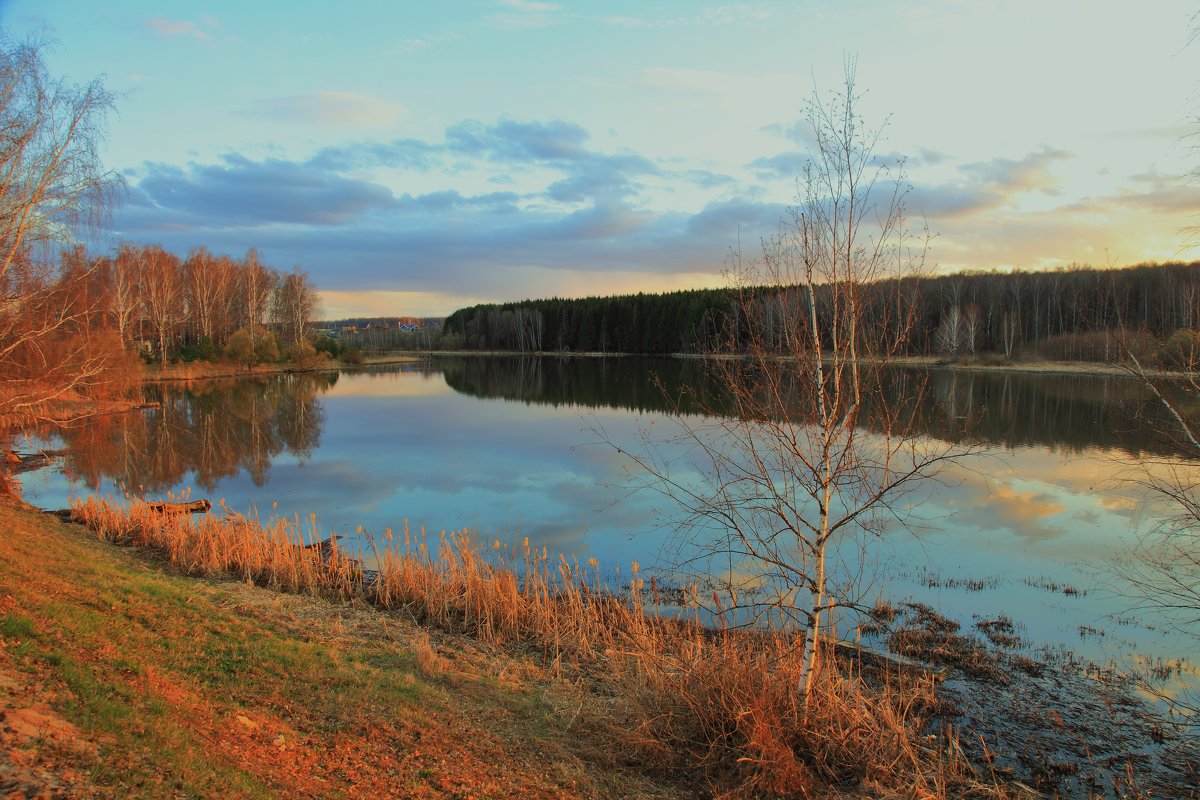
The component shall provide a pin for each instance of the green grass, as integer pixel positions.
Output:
(16, 626)
(155, 669)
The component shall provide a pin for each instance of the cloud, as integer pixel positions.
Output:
(525, 15)
(707, 179)
(401, 153)
(988, 185)
(733, 13)
(577, 218)
(800, 132)
(239, 192)
(355, 236)
(329, 108)
(782, 165)
(512, 140)
(1168, 194)
(436, 202)
(530, 5)
(730, 217)
(1028, 174)
(570, 218)
(692, 81)
(172, 28)
(471, 145)
(418, 44)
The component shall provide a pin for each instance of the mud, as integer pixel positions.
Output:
(1053, 723)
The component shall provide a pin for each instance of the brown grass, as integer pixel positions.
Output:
(690, 700)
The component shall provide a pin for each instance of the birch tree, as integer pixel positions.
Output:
(776, 482)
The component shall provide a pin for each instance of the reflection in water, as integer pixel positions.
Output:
(202, 434)
(1063, 412)
(431, 446)
(228, 426)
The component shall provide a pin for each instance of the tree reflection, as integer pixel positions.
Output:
(1064, 412)
(202, 434)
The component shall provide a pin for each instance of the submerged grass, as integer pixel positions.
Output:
(687, 700)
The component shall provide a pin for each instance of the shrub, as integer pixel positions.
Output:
(304, 355)
(325, 344)
(352, 355)
(201, 350)
(1182, 350)
(250, 346)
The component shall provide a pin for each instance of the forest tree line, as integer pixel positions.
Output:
(1068, 314)
(206, 305)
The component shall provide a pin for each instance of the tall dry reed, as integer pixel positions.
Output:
(726, 702)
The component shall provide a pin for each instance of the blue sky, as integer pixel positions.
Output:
(414, 157)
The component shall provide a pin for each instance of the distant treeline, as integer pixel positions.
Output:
(1063, 314)
(678, 322)
(378, 334)
(364, 323)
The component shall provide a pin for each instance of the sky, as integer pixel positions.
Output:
(416, 157)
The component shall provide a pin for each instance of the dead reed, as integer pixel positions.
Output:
(688, 697)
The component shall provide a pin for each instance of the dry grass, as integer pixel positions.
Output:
(689, 700)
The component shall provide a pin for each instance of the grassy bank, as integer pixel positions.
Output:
(585, 695)
(119, 677)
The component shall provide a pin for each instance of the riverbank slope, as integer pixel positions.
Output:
(120, 679)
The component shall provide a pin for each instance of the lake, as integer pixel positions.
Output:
(1029, 525)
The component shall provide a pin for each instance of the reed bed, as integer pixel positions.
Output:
(688, 699)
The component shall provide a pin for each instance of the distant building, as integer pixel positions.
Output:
(408, 327)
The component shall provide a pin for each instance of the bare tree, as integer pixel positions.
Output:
(792, 471)
(52, 187)
(971, 326)
(256, 282)
(294, 307)
(950, 331)
(51, 178)
(124, 297)
(162, 294)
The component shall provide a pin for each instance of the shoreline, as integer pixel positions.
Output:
(206, 370)
(1036, 367)
(199, 371)
(1051, 726)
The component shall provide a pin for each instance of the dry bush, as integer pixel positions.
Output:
(1102, 347)
(429, 663)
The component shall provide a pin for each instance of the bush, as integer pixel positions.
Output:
(250, 346)
(326, 344)
(201, 350)
(1182, 350)
(266, 347)
(352, 355)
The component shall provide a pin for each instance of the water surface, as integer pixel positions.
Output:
(1029, 525)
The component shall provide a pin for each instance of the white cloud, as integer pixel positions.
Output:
(330, 108)
(172, 28)
(692, 81)
(530, 5)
